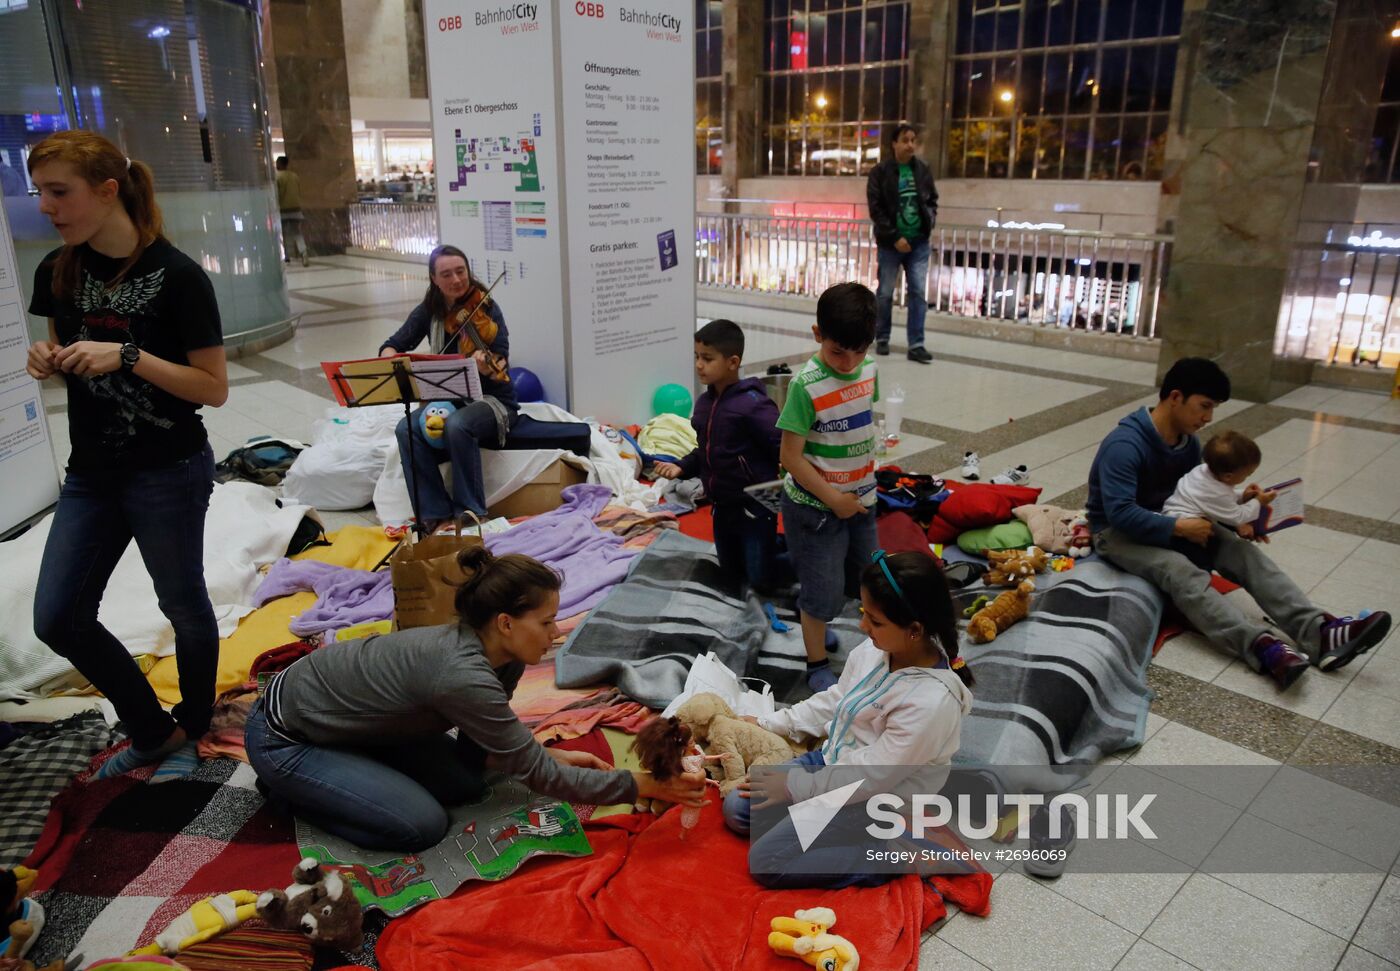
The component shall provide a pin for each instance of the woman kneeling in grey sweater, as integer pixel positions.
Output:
(354, 736)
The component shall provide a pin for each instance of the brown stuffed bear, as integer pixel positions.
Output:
(740, 744)
(320, 905)
(1001, 613)
(1010, 567)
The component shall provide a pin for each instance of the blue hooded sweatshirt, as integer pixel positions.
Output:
(1133, 474)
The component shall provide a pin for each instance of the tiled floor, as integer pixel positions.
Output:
(1049, 409)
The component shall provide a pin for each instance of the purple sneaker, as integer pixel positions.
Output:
(1279, 661)
(1343, 638)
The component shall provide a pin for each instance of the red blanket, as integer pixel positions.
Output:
(646, 900)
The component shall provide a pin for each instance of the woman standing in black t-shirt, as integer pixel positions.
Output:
(134, 332)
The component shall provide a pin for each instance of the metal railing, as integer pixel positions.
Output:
(1340, 306)
(1094, 281)
(1088, 280)
(407, 228)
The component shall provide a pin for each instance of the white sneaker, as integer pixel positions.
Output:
(1019, 475)
(971, 468)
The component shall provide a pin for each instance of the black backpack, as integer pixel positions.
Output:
(263, 460)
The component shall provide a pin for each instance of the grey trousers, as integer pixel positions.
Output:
(1237, 560)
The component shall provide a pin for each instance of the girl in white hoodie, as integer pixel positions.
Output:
(900, 699)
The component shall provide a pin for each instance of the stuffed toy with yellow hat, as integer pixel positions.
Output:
(806, 936)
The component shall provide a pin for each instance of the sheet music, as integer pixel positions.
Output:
(448, 379)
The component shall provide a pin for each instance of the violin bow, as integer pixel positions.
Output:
(458, 336)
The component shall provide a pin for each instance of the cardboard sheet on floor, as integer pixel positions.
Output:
(485, 841)
(356, 547)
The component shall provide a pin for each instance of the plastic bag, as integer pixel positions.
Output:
(708, 673)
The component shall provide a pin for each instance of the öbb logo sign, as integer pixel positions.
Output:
(586, 9)
(449, 23)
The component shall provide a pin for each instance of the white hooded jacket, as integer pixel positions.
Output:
(874, 716)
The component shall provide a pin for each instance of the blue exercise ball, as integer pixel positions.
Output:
(432, 422)
(527, 384)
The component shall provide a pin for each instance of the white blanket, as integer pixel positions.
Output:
(503, 472)
(244, 529)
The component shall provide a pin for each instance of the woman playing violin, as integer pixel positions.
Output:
(443, 318)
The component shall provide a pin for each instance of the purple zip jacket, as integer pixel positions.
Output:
(739, 440)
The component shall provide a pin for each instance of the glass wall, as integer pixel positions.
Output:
(1383, 163)
(1062, 89)
(177, 84)
(709, 98)
(835, 76)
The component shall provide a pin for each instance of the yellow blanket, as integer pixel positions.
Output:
(356, 547)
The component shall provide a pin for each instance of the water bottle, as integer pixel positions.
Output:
(880, 441)
(894, 413)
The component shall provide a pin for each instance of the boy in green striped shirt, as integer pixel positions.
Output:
(828, 450)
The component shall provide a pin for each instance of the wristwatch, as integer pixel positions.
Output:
(130, 355)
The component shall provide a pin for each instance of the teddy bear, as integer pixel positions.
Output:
(739, 744)
(1008, 608)
(1010, 567)
(805, 935)
(320, 905)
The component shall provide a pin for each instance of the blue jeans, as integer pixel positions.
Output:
(98, 516)
(468, 427)
(770, 855)
(746, 543)
(388, 796)
(828, 553)
(915, 266)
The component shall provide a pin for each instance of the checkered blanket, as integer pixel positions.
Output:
(35, 767)
(119, 859)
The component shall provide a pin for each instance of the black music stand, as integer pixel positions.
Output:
(396, 381)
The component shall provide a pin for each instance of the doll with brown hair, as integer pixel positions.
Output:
(666, 749)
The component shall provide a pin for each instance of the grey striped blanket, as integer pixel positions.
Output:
(1069, 683)
(673, 607)
(1066, 685)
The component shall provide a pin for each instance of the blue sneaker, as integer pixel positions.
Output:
(820, 677)
(1344, 638)
(833, 643)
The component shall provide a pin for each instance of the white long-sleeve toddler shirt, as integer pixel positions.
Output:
(1200, 493)
(873, 716)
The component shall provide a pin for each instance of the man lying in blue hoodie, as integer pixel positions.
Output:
(1136, 471)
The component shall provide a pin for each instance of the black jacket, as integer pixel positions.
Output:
(882, 195)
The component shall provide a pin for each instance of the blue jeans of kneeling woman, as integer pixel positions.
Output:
(390, 796)
(774, 856)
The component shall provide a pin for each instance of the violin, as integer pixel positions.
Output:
(475, 320)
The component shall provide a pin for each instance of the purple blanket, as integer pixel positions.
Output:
(591, 560)
(344, 596)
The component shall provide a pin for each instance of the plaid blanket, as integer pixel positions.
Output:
(35, 767)
(119, 859)
(674, 606)
(1069, 683)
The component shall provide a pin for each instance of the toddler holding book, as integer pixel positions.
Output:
(1208, 490)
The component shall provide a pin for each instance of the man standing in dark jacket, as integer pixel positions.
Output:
(736, 428)
(903, 206)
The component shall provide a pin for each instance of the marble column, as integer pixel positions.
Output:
(742, 60)
(417, 49)
(1272, 96)
(930, 47)
(313, 90)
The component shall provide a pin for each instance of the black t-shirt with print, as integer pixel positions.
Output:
(164, 305)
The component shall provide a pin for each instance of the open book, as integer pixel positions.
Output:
(1287, 508)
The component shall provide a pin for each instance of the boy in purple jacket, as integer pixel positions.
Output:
(736, 426)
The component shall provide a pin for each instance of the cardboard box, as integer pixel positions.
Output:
(543, 492)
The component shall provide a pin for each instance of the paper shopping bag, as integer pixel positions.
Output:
(426, 576)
